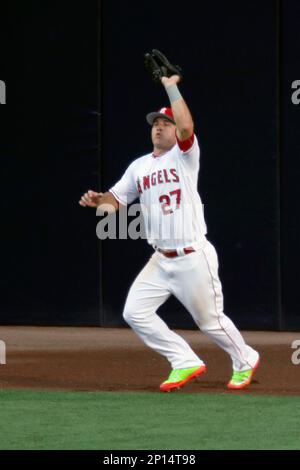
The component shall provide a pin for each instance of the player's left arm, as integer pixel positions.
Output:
(182, 116)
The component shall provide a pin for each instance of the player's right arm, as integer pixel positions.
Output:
(105, 201)
(122, 193)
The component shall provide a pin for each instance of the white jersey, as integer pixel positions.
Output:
(170, 202)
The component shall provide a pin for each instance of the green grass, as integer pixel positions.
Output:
(148, 421)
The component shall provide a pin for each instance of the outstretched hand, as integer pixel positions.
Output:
(90, 199)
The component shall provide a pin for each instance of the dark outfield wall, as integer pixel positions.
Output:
(228, 54)
(290, 165)
(49, 155)
(54, 269)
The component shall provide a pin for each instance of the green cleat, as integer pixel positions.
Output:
(240, 380)
(179, 377)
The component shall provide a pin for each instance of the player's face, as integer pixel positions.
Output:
(163, 134)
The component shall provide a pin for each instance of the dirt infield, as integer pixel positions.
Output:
(90, 359)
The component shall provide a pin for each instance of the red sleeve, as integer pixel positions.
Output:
(186, 145)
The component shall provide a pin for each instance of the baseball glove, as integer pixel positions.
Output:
(159, 66)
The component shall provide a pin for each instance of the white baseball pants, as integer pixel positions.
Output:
(193, 279)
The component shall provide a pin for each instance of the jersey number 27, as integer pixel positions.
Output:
(165, 201)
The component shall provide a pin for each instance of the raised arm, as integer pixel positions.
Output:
(182, 116)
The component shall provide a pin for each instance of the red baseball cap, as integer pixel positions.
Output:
(165, 113)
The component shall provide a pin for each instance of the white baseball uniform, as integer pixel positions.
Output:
(174, 220)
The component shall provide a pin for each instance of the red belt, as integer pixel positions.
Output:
(174, 254)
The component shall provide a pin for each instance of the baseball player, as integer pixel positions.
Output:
(184, 262)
